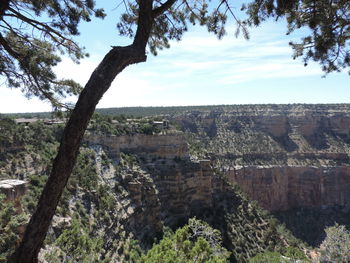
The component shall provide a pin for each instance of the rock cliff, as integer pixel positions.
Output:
(166, 177)
(167, 190)
(280, 188)
(13, 189)
(164, 145)
(283, 156)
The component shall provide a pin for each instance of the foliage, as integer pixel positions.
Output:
(102, 124)
(119, 125)
(328, 23)
(288, 255)
(309, 224)
(172, 20)
(11, 221)
(268, 257)
(7, 127)
(84, 173)
(36, 135)
(35, 186)
(78, 246)
(248, 229)
(195, 242)
(128, 160)
(336, 246)
(31, 46)
(156, 23)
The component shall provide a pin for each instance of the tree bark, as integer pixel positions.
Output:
(4, 5)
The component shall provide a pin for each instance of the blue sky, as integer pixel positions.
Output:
(199, 70)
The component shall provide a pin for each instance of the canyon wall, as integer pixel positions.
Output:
(165, 145)
(180, 190)
(276, 186)
(283, 156)
(153, 191)
(163, 185)
(279, 188)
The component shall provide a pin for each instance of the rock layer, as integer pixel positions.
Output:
(13, 189)
(279, 188)
(283, 156)
(164, 146)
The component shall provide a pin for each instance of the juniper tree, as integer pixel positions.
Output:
(26, 60)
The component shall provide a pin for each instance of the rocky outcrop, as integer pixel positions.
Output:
(164, 146)
(142, 207)
(184, 188)
(164, 181)
(154, 191)
(264, 130)
(279, 188)
(13, 189)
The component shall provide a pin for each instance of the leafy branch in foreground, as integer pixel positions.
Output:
(31, 46)
(328, 22)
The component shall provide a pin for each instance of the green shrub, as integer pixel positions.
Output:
(286, 255)
(336, 246)
(196, 242)
(78, 246)
(11, 219)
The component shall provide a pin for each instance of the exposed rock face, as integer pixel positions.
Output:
(299, 176)
(13, 189)
(286, 187)
(142, 207)
(166, 183)
(184, 188)
(164, 146)
(283, 156)
(153, 191)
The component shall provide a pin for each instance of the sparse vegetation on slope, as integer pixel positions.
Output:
(116, 198)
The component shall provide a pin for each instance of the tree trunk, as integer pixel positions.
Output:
(4, 5)
(112, 64)
(101, 79)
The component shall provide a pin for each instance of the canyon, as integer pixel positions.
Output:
(283, 156)
(292, 159)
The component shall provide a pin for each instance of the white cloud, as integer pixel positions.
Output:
(13, 101)
(79, 72)
(188, 71)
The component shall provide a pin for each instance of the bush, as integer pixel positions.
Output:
(78, 246)
(286, 255)
(195, 242)
(10, 222)
(336, 246)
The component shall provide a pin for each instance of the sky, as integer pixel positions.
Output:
(199, 70)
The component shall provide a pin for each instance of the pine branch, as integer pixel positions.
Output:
(161, 9)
